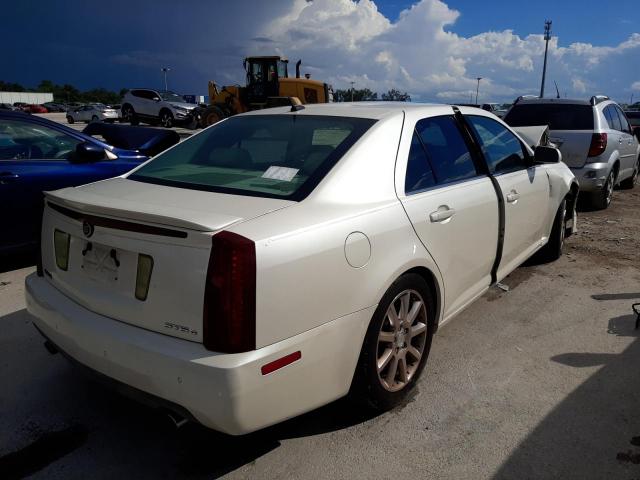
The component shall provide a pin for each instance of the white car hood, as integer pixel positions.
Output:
(178, 207)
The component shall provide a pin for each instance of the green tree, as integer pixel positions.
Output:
(394, 95)
(359, 95)
(46, 86)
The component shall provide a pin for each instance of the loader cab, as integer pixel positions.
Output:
(262, 77)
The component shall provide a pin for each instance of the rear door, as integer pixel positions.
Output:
(524, 187)
(452, 206)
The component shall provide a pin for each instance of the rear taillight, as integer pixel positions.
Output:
(229, 316)
(598, 144)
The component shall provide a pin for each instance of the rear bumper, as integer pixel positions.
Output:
(226, 392)
(592, 176)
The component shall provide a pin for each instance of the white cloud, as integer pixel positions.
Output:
(343, 41)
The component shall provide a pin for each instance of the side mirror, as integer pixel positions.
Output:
(156, 99)
(87, 152)
(544, 154)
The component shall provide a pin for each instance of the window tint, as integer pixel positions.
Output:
(607, 115)
(419, 173)
(557, 116)
(446, 149)
(278, 156)
(501, 148)
(30, 141)
(615, 119)
(623, 120)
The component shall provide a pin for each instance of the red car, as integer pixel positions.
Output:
(34, 109)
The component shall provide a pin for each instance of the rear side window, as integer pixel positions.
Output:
(623, 121)
(446, 149)
(607, 115)
(501, 148)
(419, 173)
(615, 123)
(557, 116)
(276, 156)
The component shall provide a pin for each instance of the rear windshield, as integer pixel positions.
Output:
(277, 156)
(557, 116)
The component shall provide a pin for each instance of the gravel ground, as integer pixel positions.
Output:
(537, 382)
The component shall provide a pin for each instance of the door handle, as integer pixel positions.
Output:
(513, 196)
(443, 213)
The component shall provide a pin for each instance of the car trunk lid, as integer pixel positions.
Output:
(113, 226)
(573, 144)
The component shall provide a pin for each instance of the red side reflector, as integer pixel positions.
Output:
(281, 362)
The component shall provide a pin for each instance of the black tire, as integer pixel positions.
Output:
(368, 387)
(70, 120)
(552, 251)
(602, 199)
(629, 183)
(166, 118)
(129, 115)
(211, 115)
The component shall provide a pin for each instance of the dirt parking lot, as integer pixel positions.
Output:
(538, 382)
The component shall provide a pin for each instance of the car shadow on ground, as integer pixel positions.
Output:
(81, 413)
(594, 431)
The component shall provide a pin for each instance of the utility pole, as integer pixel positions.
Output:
(547, 37)
(478, 88)
(352, 84)
(165, 70)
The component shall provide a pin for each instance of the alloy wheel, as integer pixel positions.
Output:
(166, 120)
(401, 340)
(609, 187)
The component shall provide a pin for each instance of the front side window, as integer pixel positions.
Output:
(21, 140)
(501, 149)
(446, 149)
(277, 156)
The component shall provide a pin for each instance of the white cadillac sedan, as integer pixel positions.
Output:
(284, 258)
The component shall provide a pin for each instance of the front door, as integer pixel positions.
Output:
(524, 188)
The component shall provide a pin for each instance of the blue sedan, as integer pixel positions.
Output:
(38, 155)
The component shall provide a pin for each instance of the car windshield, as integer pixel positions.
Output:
(171, 97)
(557, 116)
(277, 156)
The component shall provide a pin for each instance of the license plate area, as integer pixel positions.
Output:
(101, 262)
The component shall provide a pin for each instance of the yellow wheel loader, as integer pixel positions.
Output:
(268, 85)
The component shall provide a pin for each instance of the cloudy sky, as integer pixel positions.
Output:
(430, 48)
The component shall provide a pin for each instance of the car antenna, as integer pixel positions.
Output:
(557, 91)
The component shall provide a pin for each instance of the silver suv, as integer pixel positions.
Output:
(595, 138)
(154, 106)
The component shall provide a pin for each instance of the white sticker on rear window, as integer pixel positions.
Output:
(280, 173)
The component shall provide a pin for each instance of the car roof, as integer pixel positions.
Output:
(372, 110)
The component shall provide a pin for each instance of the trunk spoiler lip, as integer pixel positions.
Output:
(133, 216)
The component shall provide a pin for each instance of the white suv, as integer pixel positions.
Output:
(154, 106)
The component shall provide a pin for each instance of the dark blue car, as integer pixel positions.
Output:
(38, 155)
